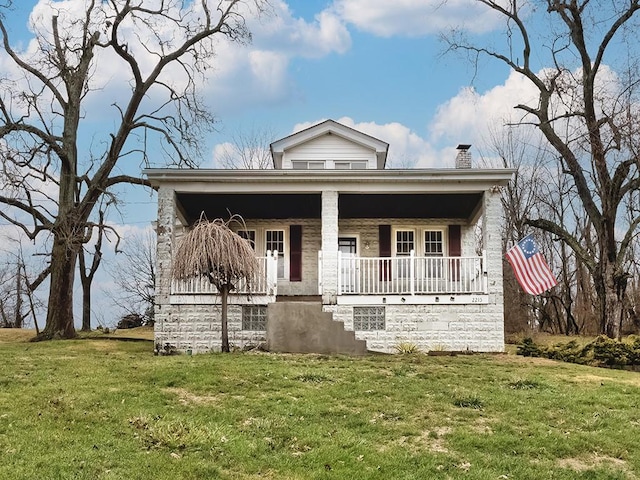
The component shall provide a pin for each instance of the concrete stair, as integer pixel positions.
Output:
(302, 327)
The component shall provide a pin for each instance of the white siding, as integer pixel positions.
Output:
(329, 148)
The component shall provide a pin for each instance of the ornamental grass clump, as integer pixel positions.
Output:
(212, 250)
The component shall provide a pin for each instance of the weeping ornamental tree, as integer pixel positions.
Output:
(212, 250)
(586, 105)
(102, 81)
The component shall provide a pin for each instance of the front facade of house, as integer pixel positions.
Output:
(395, 255)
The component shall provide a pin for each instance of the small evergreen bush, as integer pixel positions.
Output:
(601, 352)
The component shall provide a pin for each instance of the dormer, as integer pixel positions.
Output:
(329, 146)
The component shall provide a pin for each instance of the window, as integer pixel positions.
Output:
(355, 165)
(250, 236)
(275, 241)
(254, 317)
(307, 165)
(433, 247)
(368, 318)
(404, 245)
(433, 243)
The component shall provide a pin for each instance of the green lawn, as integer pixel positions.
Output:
(104, 409)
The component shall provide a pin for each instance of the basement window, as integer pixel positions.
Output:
(368, 318)
(254, 317)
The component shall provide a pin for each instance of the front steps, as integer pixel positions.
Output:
(302, 327)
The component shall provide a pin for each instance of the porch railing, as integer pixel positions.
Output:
(410, 275)
(265, 281)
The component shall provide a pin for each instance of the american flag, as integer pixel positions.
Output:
(530, 267)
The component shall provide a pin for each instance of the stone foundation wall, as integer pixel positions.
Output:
(198, 328)
(476, 328)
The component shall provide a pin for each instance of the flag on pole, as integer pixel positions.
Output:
(530, 267)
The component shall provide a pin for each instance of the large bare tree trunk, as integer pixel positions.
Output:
(86, 308)
(60, 304)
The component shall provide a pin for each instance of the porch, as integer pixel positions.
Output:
(409, 275)
(424, 278)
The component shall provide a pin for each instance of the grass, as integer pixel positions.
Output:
(95, 409)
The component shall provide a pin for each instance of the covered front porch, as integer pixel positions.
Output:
(429, 279)
(412, 236)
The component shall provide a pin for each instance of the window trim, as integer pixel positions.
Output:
(305, 164)
(249, 309)
(444, 242)
(285, 250)
(349, 164)
(394, 239)
(377, 324)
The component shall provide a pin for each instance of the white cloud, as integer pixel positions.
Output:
(467, 117)
(238, 75)
(415, 17)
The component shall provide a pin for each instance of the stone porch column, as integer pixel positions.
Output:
(492, 232)
(329, 217)
(164, 230)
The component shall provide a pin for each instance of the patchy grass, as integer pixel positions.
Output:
(90, 409)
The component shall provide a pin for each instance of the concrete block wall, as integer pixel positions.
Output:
(198, 328)
(477, 328)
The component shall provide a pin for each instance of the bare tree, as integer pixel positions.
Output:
(248, 149)
(87, 275)
(587, 116)
(135, 276)
(18, 302)
(213, 250)
(160, 51)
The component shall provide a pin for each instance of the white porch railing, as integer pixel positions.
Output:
(265, 281)
(410, 275)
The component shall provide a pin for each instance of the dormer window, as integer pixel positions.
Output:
(307, 165)
(353, 165)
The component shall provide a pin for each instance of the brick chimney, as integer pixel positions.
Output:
(463, 159)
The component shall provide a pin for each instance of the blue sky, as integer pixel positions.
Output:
(375, 65)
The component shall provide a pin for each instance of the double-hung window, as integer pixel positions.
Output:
(434, 248)
(275, 242)
(405, 244)
(307, 164)
(350, 165)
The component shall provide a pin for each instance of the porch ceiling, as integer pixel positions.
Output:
(308, 205)
(410, 205)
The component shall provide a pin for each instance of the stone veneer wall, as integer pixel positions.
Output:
(431, 327)
(477, 328)
(471, 327)
(198, 328)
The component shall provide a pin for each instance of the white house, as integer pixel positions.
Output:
(389, 255)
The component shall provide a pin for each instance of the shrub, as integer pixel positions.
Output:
(131, 320)
(601, 352)
(406, 348)
(527, 348)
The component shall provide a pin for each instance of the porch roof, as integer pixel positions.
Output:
(279, 194)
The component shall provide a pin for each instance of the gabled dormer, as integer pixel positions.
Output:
(329, 146)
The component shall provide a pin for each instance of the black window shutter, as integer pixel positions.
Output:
(455, 250)
(384, 244)
(295, 253)
(455, 241)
